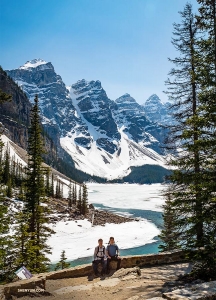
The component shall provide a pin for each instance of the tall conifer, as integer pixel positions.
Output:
(84, 207)
(185, 134)
(39, 232)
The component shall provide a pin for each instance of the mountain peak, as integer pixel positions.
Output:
(34, 63)
(126, 98)
(153, 98)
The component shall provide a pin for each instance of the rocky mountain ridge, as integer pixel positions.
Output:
(104, 137)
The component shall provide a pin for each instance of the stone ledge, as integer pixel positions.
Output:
(39, 280)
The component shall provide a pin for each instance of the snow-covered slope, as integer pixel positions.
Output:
(104, 137)
(109, 150)
(19, 156)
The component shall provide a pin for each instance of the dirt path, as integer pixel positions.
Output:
(117, 286)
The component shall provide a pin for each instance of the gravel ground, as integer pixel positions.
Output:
(119, 285)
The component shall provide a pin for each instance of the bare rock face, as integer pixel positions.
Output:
(39, 77)
(15, 115)
(96, 108)
(156, 111)
(137, 123)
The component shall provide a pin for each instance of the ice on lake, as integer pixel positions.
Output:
(136, 196)
(79, 238)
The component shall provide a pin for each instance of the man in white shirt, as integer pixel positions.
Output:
(99, 258)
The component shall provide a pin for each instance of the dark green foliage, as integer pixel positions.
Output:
(9, 189)
(70, 195)
(84, 205)
(35, 180)
(4, 240)
(145, 174)
(206, 20)
(62, 264)
(22, 193)
(191, 86)
(52, 187)
(4, 97)
(6, 247)
(6, 170)
(169, 235)
(74, 200)
(21, 237)
(58, 193)
(37, 249)
(79, 201)
(47, 182)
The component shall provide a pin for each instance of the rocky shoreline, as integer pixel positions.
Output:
(60, 211)
(102, 217)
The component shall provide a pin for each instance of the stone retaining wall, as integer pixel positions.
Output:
(39, 280)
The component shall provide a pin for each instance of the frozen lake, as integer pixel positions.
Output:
(145, 202)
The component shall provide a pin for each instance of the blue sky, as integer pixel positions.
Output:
(123, 43)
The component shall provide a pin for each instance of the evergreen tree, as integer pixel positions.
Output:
(70, 195)
(75, 194)
(35, 195)
(84, 206)
(169, 235)
(185, 133)
(5, 240)
(62, 264)
(206, 20)
(21, 195)
(193, 180)
(58, 193)
(61, 190)
(35, 181)
(37, 248)
(52, 187)
(6, 170)
(21, 237)
(47, 188)
(9, 188)
(79, 202)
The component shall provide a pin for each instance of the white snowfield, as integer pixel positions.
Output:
(8, 144)
(80, 241)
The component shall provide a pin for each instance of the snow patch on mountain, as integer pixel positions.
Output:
(33, 63)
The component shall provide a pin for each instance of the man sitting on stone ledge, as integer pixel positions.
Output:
(112, 252)
(99, 258)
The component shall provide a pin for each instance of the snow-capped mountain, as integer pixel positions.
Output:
(104, 137)
(39, 77)
(156, 111)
